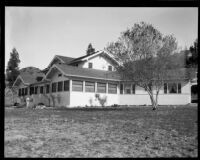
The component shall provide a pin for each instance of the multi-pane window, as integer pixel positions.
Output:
(112, 88)
(110, 68)
(127, 89)
(47, 88)
(121, 88)
(60, 86)
(41, 89)
(90, 65)
(172, 88)
(101, 87)
(66, 85)
(54, 87)
(89, 86)
(36, 88)
(133, 88)
(77, 85)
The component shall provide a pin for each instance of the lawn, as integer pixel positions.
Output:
(122, 132)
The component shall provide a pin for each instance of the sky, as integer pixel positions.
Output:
(40, 33)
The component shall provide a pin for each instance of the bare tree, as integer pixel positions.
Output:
(144, 54)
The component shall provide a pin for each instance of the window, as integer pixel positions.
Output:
(25, 91)
(112, 88)
(121, 88)
(66, 85)
(90, 65)
(31, 90)
(47, 88)
(19, 93)
(22, 91)
(127, 89)
(133, 88)
(60, 86)
(77, 85)
(165, 88)
(89, 86)
(101, 87)
(41, 89)
(110, 68)
(172, 87)
(60, 75)
(179, 87)
(54, 87)
(36, 88)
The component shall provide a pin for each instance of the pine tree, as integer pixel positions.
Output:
(12, 70)
(90, 49)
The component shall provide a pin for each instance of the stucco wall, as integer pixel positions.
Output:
(142, 98)
(89, 99)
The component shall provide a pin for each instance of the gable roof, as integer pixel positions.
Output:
(85, 72)
(28, 78)
(83, 58)
(65, 59)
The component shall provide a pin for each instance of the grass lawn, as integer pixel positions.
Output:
(127, 132)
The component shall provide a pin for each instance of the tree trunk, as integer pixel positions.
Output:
(153, 101)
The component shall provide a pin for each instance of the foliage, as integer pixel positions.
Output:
(144, 54)
(12, 70)
(192, 60)
(90, 49)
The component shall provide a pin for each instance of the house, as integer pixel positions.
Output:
(92, 80)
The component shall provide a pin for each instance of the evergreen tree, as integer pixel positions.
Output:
(90, 49)
(12, 70)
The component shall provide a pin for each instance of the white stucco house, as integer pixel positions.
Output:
(91, 80)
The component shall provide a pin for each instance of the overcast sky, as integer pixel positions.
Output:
(39, 33)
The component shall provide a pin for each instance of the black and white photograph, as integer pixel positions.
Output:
(101, 82)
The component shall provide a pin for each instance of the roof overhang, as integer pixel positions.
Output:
(55, 57)
(19, 78)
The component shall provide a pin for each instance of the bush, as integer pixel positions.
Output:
(115, 105)
(40, 104)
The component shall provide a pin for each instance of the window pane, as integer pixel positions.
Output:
(36, 88)
(110, 68)
(127, 89)
(54, 87)
(19, 92)
(47, 88)
(66, 85)
(25, 91)
(112, 88)
(60, 86)
(179, 87)
(172, 87)
(22, 91)
(31, 90)
(90, 65)
(121, 88)
(77, 86)
(133, 88)
(41, 89)
(89, 86)
(101, 87)
(165, 88)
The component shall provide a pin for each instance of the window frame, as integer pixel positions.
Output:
(54, 86)
(61, 87)
(75, 86)
(110, 88)
(89, 89)
(90, 65)
(110, 67)
(100, 83)
(130, 87)
(66, 85)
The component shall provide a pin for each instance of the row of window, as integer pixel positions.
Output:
(90, 87)
(90, 65)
